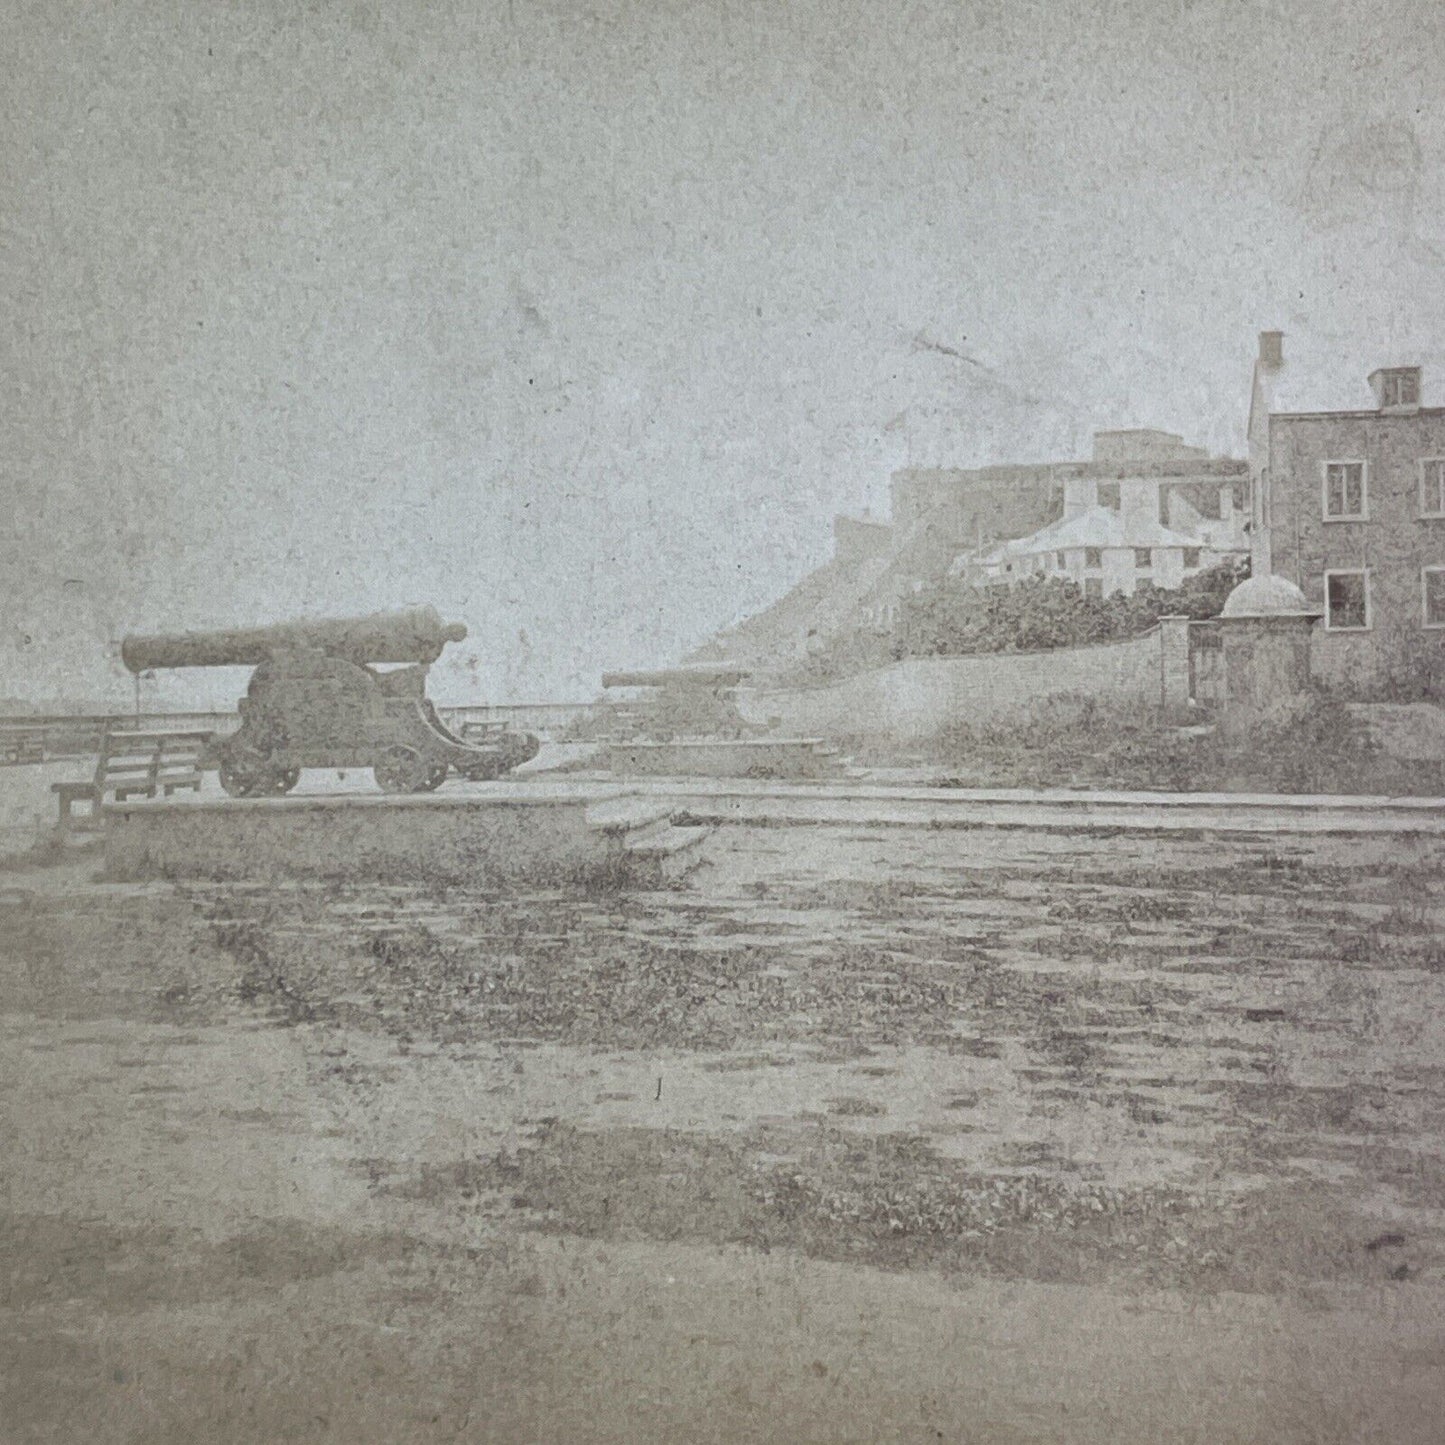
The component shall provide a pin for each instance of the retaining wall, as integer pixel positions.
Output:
(912, 700)
(543, 837)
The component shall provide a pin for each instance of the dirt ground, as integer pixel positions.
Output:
(893, 1134)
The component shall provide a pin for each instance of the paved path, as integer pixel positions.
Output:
(852, 803)
(855, 803)
(27, 807)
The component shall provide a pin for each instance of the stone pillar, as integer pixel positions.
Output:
(1266, 665)
(1174, 689)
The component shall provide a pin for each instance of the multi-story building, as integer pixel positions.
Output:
(1143, 505)
(1100, 549)
(1350, 506)
(1145, 508)
(963, 508)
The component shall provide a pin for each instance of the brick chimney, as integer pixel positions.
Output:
(1396, 388)
(1271, 349)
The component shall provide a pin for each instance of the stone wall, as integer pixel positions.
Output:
(546, 838)
(913, 700)
(1391, 544)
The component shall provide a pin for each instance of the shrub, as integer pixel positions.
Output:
(952, 618)
(1316, 746)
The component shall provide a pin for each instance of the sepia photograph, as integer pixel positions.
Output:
(722, 722)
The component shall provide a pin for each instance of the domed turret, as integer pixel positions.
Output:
(1267, 597)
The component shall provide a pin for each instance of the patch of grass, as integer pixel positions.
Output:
(891, 1202)
(1320, 747)
(855, 1108)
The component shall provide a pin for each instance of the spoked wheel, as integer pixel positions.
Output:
(282, 780)
(400, 769)
(244, 774)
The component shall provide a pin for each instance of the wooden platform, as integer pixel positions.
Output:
(496, 834)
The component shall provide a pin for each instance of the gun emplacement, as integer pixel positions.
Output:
(316, 700)
(694, 701)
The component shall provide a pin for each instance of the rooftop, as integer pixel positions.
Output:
(1183, 468)
(1268, 596)
(1096, 527)
(1322, 375)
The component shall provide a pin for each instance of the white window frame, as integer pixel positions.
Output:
(1425, 464)
(1425, 599)
(1397, 375)
(1363, 515)
(1369, 610)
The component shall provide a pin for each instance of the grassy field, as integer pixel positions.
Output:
(392, 1163)
(1070, 741)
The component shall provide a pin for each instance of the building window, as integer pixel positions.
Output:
(1347, 601)
(1344, 491)
(1093, 586)
(1093, 556)
(1432, 487)
(1433, 579)
(1143, 558)
(1059, 560)
(1400, 388)
(1191, 556)
(1108, 495)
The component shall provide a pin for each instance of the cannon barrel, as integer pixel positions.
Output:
(701, 676)
(416, 635)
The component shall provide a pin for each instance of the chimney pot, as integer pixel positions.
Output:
(1271, 348)
(1396, 388)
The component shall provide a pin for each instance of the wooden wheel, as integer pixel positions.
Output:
(400, 769)
(243, 774)
(282, 780)
(436, 778)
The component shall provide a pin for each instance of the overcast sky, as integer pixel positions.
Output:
(580, 320)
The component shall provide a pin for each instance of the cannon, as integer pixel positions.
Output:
(682, 702)
(317, 700)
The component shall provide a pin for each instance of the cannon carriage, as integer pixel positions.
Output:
(680, 702)
(318, 699)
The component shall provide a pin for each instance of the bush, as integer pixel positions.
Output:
(952, 618)
(1316, 746)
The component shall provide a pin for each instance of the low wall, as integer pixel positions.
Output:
(492, 838)
(910, 701)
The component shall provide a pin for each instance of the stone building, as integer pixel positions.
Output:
(1144, 507)
(1350, 506)
(1102, 550)
(968, 508)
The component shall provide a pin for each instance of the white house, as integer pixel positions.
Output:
(1101, 549)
